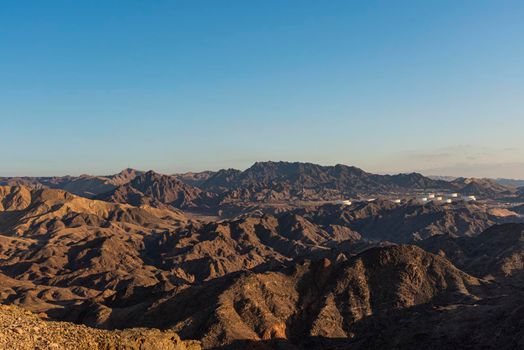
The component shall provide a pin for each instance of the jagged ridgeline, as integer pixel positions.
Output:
(263, 182)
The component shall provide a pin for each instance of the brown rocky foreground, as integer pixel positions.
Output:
(23, 330)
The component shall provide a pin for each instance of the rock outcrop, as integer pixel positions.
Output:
(22, 330)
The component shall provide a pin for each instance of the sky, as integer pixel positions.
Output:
(389, 86)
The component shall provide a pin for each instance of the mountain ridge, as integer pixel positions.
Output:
(262, 182)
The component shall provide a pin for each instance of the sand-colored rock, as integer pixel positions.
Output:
(22, 330)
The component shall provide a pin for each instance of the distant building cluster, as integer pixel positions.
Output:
(441, 198)
(429, 198)
(449, 198)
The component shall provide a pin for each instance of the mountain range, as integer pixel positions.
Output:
(264, 182)
(324, 276)
(83, 185)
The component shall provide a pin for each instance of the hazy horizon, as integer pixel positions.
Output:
(96, 87)
(467, 171)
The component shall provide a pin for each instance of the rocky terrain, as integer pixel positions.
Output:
(158, 191)
(299, 176)
(497, 253)
(51, 240)
(323, 298)
(308, 181)
(83, 185)
(417, 297)
(195, 178)
(403, 223)
(23, 330)
(481, 187)
(263, 182)
(127, 251)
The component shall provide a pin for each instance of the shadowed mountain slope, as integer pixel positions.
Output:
(58, 248)
(323, 298)
(296, 177)
(159, 191)
(407, 222)
(280, 181)
(497, 253)
(481, 187)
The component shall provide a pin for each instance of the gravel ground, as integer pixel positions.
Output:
(23, 330)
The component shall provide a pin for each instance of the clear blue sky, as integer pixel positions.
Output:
(97, 86)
